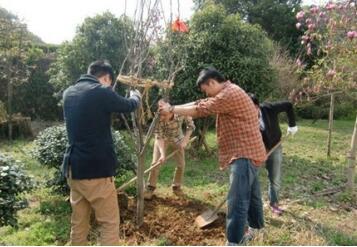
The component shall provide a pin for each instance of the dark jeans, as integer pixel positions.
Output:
(244, 200)
(273, 165)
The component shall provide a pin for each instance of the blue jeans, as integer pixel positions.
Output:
(273, 165)
(244, 200)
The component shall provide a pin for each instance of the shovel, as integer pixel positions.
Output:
(209, 216)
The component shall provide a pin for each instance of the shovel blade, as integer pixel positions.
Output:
(206, 218)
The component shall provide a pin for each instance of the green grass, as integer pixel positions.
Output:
(309, 219)
(45, 222)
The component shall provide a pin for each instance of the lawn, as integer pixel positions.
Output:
(310, 218)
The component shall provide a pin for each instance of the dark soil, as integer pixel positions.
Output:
(170, 221)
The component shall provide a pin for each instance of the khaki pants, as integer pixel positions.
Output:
(99, 195)
(180, 166)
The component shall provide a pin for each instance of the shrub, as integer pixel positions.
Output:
(13, 181)
(345, 108)
(50, 146)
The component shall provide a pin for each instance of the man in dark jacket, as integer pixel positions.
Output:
(90, 162)
(271, 133)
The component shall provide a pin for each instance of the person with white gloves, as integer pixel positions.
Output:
(271, 133)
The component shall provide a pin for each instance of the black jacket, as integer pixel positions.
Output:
(270, 111)
(87, 112)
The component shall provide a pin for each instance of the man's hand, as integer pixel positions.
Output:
(135, 93)
(183, 143)
(162, 159)
(292, 130)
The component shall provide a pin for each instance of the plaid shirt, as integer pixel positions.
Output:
(172, 130)
(237, 124)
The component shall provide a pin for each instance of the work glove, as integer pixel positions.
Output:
(292, 130)
(135, 93)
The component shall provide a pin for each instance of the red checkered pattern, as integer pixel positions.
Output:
(237, 124)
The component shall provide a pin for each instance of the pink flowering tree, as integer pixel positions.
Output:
(330, 34)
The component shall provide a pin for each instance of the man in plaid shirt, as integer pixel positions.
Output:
(241, 148)
(168, 132)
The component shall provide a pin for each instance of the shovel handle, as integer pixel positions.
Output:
(156, 164)
(269, 153)
(277, 145)
(218, 207)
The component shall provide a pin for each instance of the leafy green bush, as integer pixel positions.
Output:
(50, 146)
(345, 108)
(13, 181)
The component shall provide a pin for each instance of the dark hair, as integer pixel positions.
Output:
(101, 68)
(207, 74)
(254, 98)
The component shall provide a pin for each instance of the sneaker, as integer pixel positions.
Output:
(249, 235)
(178, 191)
(148, 193)
(276, 210)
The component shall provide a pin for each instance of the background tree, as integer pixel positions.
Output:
(277, 18)
(12, 59)
(25, 61)
(241, 51)
(101, 37)
(330, 31)
(35, 98)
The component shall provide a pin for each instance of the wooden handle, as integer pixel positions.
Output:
(219, 206)
(156, 164)
(277, 145)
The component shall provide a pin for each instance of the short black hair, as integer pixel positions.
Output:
(207, 74)
(254, 98)
(101, 68)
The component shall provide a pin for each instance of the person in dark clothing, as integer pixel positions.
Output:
(271, 133)
(90, 162)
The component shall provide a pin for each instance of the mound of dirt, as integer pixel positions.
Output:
(170, 221)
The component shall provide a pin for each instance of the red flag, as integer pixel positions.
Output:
(179, 26)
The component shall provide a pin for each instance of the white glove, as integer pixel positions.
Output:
(135, 93)
(292, 130)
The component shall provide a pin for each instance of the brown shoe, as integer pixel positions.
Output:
(178, 191)
(149, 192)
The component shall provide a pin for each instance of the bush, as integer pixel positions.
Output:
(50, 146)
(345, 108)
(13, 181)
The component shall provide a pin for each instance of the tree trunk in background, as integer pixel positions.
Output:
(330, 124)
(351, 160)
(9, 109)
(201, 131)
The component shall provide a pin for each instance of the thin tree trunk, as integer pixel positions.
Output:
(330, 124)
(140, 191)
(141, 166)
(351, 160)
(9, 110)
(201, 141)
